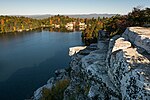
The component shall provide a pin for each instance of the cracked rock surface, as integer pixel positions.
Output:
(114, 69)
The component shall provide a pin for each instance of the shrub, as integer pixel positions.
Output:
(56, 92)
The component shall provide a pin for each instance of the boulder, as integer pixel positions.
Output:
(125, 66)
(138, 36)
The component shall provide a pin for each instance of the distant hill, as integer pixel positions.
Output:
(39, 16)
(91, 15)
(74, 16)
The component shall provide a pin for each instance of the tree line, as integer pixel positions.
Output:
(18, 24)
(14, 24)
(116, 24)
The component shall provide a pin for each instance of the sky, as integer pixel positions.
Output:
(62, 7)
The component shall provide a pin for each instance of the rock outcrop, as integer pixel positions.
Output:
(129, 71)
(115, 69)
(138, 36)
(74, 50)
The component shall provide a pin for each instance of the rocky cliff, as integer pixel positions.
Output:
(115, 69)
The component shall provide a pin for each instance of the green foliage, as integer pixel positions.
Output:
(90, 34)
(57, 91)
(138, 16)
(116, 24)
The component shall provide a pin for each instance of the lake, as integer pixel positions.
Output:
(29, 59)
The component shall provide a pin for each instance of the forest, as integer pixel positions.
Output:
(14, 24)
(19, 24)
(113, 25)
(117, 24)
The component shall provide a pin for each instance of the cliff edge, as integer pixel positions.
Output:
(115, 69)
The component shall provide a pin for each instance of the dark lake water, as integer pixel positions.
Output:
(29, 59)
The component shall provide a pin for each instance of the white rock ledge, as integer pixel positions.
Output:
(74, 50)
(138, 36)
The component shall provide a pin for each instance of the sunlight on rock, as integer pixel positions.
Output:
(74, 50)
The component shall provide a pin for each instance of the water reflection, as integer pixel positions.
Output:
(68, 29)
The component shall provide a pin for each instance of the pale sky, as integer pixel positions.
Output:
(32, 7)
